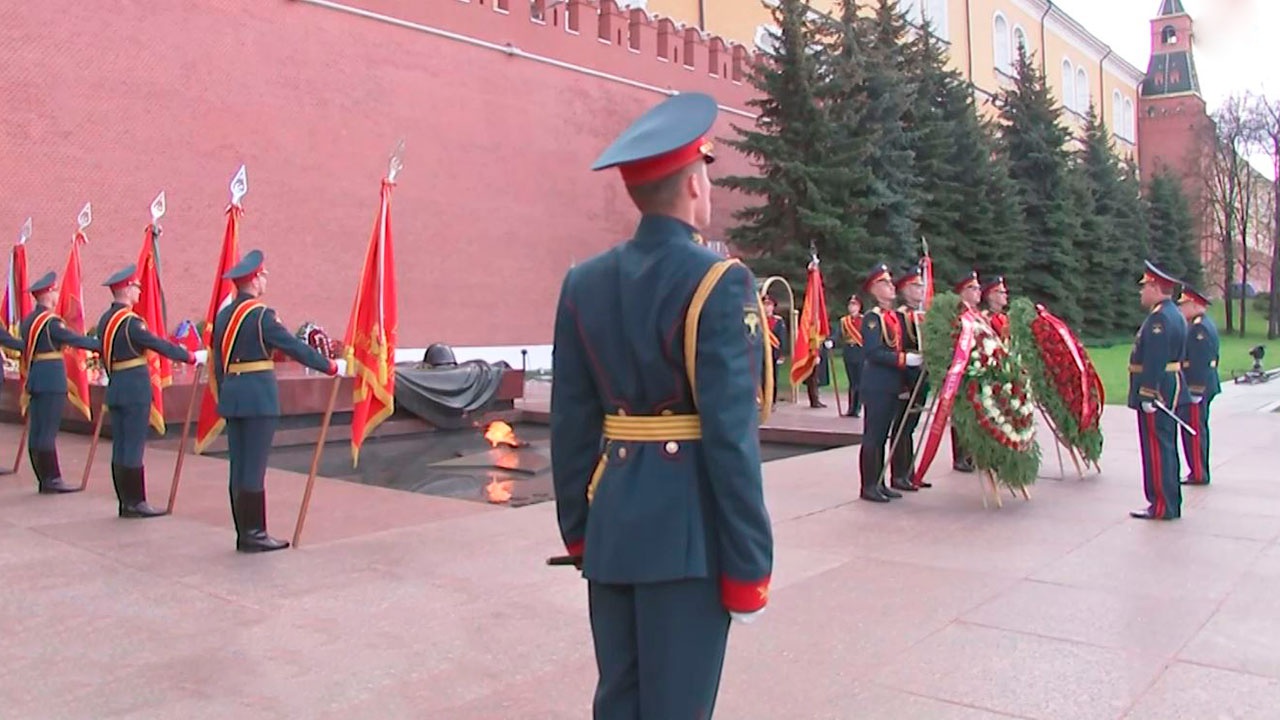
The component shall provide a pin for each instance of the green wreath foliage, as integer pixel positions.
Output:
(1087, 441)
(1014, 463)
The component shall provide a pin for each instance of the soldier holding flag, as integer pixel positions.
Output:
(125, 342)
(244, 335)
(44, 336)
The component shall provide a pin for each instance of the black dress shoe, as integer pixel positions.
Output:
(873, 495)
(884, 490)
(963, 466)
(925, 484)
(903, 484)
(1148, 515)
(134, 504)
(1189, 481)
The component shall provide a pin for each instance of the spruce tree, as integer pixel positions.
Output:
(893, 203)
(1034, 141)
(1172, 236)
(967, 209)
(848, 179)
(1111, 244)
(788, 145)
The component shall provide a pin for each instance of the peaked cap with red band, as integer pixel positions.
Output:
(44, 284)
(1190, 294)
(878, 273)
(910, 274)
(124, 276)
(668, 137)
(968, 281)
(1162, 279)
(249, 266)
(994, 284)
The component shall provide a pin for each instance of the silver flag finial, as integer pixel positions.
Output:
(239, 186)
(924, 245)
(25, 234)
(85, 217)
(396, 162)
(157, 208)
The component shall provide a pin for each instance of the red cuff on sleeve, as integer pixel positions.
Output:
(576, 548)
(902, 360)
(744, 597)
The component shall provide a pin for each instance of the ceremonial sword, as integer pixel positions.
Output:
(1161, 407)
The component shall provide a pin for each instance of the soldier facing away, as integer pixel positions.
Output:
(659, 347)
(125, 343)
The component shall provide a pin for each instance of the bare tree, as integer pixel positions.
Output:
(1227, 176)
(1267, 116)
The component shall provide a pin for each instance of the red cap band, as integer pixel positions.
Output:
(660, 166)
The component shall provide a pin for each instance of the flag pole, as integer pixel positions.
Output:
(196, 391)
(393, 168)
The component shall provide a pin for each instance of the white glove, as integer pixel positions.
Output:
(202, 357)
(830, 344)
(1196, 398)
(342, 366)
(914, 359)
(1148, 407)
(747, 618)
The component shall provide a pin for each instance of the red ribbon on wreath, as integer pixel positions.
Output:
(1087, 408)
(946, 396)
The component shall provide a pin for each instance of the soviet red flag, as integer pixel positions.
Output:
(224, 291)
(814, 329)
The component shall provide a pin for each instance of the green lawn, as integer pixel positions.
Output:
(1112, 360)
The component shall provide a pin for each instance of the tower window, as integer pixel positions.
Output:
(1168, 35)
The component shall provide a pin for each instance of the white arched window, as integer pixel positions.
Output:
(1020, 40)
(1068, 85)
(1000, 37)
(935, 11)
(1117, 115)
(1131, 131)
(1082, 91)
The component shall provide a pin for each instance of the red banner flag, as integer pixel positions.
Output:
(18, 303)
(815, 327)
(926, 274)
(150, 307)
(71, 309)
(371, 332)
(224, 291)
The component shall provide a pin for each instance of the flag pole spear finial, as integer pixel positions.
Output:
(396, 162)
(157, 212)
(25, 233)
(239, 186)
(85, 217)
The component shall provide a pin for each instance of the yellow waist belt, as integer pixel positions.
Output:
(1171, 367)
(55, 355)
(652, 428)
(127, 364)
(239, 368)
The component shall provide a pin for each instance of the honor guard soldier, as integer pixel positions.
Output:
(245, 334)
(849, 336)
(44, 336)
(659, 347)
(125, 342)
(915, 383)
(12, 343)
(970, 292)
(779, 341)
(883, 378)
(1156, 390)
(1200, 368)
(995, 295)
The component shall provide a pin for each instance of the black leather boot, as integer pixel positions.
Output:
(251, 523)
(884, 490)
(134, 500)
(49, 474)
(903, 484)
(814, 401)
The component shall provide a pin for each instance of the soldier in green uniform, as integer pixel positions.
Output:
(849, 338)
(44, 335)
(12, 343)
(915, 382)
(1200, 367)
(655, 408)
(884, 366)
(1157, 389)
(125, 343)
(245, 334)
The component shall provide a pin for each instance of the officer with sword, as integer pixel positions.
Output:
(1156, 391)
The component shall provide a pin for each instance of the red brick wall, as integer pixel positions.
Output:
(113, 102)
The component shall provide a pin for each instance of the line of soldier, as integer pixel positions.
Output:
(246, 334)
(1173, 379)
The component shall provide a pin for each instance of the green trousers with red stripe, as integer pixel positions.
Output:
(1196, 447)
(1158, 440)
